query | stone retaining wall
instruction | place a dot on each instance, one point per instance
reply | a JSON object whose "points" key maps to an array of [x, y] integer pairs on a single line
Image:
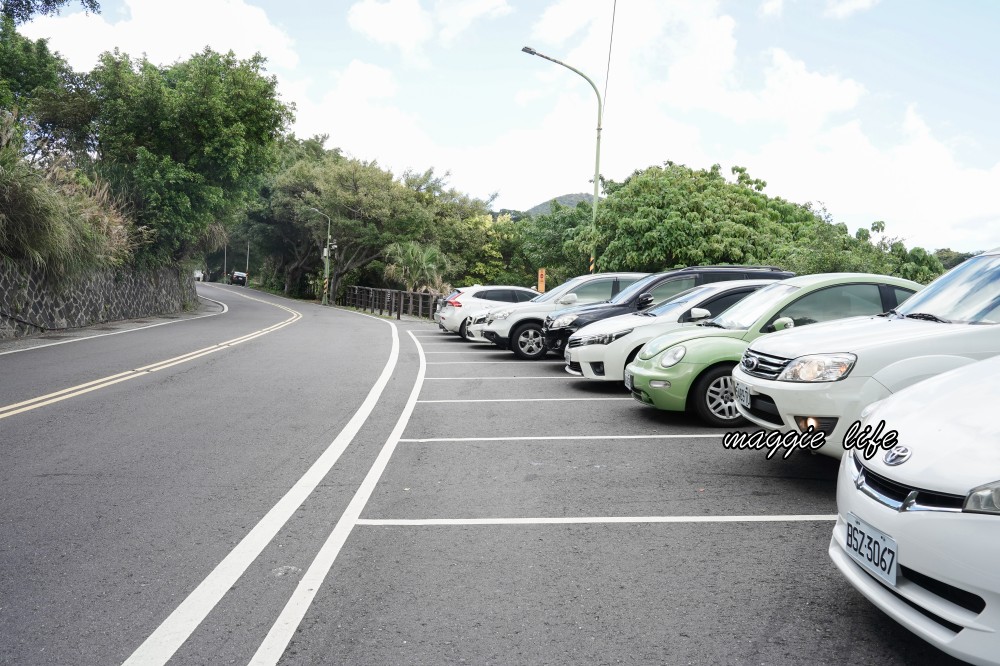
{"points": [[30, 304]]}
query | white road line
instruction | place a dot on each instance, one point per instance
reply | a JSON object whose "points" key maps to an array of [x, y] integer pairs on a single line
{"points": [[529, 400], [480, 379], [179, 625], [558, 438], [225, 309], [594, 520], [281, 632], [483, 351], [484, 362]]}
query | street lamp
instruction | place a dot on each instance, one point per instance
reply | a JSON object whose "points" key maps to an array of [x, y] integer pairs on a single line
{"points": [[326, 257], [597, 159]]}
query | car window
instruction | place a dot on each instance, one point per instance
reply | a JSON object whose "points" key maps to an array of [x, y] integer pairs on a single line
{"points": [[564, 288], [595, 290], [505, 295], [848, 300], [902, 294], [742, 315], [721, 276], [968, 293], [671, 288], [632, 289], [523, 296], [720, 304]]}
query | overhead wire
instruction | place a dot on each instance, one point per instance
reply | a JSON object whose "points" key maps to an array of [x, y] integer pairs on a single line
{"points": [[611, 39]]}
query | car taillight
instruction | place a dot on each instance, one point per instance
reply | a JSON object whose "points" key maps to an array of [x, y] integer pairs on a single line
{"points": [[454, 303]]}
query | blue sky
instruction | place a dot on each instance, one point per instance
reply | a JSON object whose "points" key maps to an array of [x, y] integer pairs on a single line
{"points": [[875, 109]]}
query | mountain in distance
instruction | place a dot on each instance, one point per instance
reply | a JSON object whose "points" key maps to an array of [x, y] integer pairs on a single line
{"points": [[567, 200]]}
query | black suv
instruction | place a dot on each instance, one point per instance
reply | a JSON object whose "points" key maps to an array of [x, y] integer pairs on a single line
{"points": [[649, 291]]}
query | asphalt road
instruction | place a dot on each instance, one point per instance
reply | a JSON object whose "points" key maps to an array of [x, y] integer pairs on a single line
{"points": [[269, 481]]}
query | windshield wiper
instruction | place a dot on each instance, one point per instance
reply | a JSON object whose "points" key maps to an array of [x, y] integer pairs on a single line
{"points": [[890, 312], [709, 322], [926, 316]]}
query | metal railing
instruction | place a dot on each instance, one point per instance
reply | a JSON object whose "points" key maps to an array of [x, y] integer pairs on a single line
{"points": [[391, 301]]}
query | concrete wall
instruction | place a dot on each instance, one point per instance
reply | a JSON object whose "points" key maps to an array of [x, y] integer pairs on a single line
{"points": [[30, 304]]}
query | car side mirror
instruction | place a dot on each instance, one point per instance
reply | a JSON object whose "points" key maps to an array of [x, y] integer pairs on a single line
{"points": [[699, 313], [568, 299], [644, 301], [781, 323]]}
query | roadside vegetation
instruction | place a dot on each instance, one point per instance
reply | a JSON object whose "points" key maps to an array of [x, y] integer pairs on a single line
{"points": [[193, 164]]}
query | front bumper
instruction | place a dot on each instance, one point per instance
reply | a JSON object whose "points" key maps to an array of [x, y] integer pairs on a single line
{"points": [[555, 338], [672, 394], [589, 361], [774, 404], [948, 586]]}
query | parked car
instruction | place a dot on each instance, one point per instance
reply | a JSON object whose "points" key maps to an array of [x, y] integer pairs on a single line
{"points": [[825, 375], [692, 368], [441, 300], [602, 350], [918, 526], [519, 327], [458, 311], [644, 293], [239, 277]]}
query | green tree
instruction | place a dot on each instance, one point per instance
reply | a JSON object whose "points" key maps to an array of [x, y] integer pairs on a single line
{"points": [[20, 11], [415, 265], [185, 145], [25, 67], [950, 258]]}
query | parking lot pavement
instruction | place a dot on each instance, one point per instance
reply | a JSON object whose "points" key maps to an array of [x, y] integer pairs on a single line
{"points": [[523, 518]]}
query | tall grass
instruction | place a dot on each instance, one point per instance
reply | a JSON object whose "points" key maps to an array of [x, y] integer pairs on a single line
{"points": [[53, 218]]}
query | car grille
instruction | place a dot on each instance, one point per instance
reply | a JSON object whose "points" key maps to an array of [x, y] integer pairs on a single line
{"points": [[764, 408], [902, 497], [575, 342], [574, 368], [764, 366]]}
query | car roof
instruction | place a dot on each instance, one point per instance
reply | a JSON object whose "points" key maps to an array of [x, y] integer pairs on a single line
{"points": [[834, 278]]}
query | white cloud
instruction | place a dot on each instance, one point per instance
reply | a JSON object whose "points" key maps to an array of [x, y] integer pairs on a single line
{"points": [[165, 32], [771, 7], [402, 24], [841, 9], [456, 16]]}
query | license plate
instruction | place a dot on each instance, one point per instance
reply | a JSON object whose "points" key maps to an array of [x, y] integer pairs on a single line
{"points": [[873, 549], [742, 394], [628, 380], [567, 355]]}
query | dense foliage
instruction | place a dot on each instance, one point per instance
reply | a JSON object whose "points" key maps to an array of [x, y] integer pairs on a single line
{"points": [[191, 162]]}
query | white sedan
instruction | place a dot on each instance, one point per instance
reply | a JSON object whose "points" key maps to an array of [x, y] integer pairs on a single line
{"points": [[918, 525], [602, 350]]}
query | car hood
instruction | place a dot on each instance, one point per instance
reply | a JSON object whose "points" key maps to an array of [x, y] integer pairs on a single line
{"points": [[954, 444], [621, 323], [857, 335], [689, 333]]}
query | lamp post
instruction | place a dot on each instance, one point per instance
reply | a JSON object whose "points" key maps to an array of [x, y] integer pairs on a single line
{"points": [[597, 159], [326, 258]]}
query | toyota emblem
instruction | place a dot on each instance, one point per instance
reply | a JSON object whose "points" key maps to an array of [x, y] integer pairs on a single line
{"points": [[897, 455], [749, 363]]}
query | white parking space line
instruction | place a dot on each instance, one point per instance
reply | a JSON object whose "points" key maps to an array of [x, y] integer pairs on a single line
{"points": [[468, 351], [185, 619], [483, 379], [559, 438], [529, 400], [484, 362], [281, 632], [594, 520]]}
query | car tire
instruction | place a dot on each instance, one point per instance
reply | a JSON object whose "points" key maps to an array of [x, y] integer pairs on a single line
{"points": [[463, 330], [527, 342], [713, 397]]}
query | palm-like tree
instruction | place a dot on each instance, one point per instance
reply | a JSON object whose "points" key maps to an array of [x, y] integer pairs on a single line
{"points": [[415, 265]]}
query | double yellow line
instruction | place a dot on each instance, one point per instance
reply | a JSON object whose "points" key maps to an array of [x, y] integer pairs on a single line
{"points": [[80, 389]]}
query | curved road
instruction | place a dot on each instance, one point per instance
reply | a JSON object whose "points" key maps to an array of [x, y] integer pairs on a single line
{"points": [[268, 481]]}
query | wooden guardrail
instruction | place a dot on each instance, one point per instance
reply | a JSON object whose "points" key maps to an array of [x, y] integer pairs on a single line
{"points": [[391, 301]]}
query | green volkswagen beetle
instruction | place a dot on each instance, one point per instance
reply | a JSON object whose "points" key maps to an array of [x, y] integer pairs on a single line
{"points": [[691, 369]]}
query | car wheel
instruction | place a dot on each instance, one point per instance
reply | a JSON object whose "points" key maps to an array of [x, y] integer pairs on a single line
{"points": [[714, 397], [529, 343], [463, 330]]}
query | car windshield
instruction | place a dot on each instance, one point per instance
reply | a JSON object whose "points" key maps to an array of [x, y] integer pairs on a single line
{"points": [[743, 314], [557, 292], [677, 302], [967, 294], [634, 289]]}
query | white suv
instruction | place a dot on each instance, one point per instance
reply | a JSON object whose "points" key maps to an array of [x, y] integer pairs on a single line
{"points": [[458, 310], [519, 327], [824, 375]]}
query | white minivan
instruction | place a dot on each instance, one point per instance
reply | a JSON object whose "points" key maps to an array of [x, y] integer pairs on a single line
{"points": [[823, 376]]}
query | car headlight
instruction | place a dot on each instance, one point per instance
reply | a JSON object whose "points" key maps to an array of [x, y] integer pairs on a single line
{"points": [[673, 356], [654, 347], [604, 338], [818, 368], [984, 499], [563, 321], [502, 314]]}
